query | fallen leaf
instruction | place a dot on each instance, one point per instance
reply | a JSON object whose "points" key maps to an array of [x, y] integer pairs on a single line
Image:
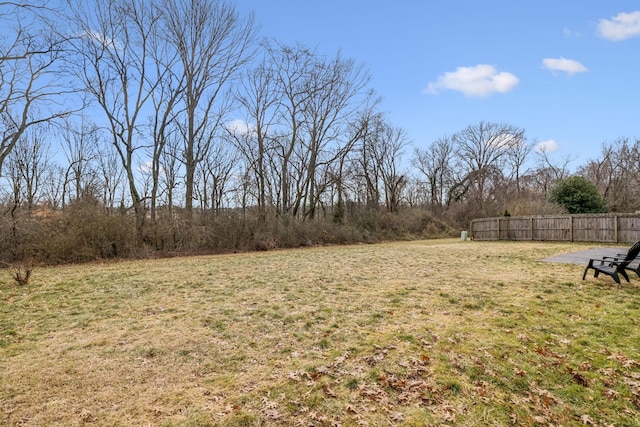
{"points": [[612, 394], [578, 378], [523, 338], [585, 366], [586, 419], [398, 417], [329, 392]]}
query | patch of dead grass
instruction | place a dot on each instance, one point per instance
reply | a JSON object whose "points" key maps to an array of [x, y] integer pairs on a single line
{"points": [[419, 333]]}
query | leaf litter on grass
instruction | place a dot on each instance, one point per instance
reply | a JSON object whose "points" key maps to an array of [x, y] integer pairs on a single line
{"points": [[412, 333]]}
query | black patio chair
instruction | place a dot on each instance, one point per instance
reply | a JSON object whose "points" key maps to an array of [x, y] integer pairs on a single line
{"points": [[634, 265], [613, 266]]}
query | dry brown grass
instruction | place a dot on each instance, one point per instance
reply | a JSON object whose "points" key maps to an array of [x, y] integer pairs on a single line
{"points": [[419, 333]]}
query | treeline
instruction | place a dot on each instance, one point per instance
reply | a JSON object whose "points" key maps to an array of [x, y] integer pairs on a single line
{"points": [[134, 128]]}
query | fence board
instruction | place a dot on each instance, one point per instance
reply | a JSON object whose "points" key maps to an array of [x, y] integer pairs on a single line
{"points": [[605, 228], [629, 228]]}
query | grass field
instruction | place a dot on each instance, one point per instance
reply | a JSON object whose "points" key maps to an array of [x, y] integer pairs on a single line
{"points": [[414, 333]]}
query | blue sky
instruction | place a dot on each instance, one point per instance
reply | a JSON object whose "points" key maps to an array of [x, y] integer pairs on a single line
{"points": [[567, 71]]}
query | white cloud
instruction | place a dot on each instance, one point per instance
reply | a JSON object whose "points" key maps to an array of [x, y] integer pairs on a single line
{"points": [[620, 27], [102, 39], [568, 32], [478, 81], [239, 127], [568, 66], [145, 167], [548, 146]]}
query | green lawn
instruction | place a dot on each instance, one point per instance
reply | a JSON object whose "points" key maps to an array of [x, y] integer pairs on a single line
{"points": [[414, 333]]}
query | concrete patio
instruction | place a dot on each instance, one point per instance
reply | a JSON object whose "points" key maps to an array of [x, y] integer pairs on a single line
{"points": [[583, 257]]}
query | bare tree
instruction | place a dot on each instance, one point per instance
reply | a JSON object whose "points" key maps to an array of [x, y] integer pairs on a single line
{"points": [[80, 146], [291, 66], [481, 151], [333, 87], [436, 165], [216, 172], [615, 173], [116, 67], [28, 164], [111, 176], [31, 87], [169, 170], [347, 159], [53, 184], [254, 153], [258, 97], [318, 101], [165, 100], [372, 125], [517, 156], [548, 171], [387, 149], [212, 45]]}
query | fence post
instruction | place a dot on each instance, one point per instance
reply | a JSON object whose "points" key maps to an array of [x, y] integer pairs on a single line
{"points": [[615, 229], [571, 228], [531, 226], [498, 228]]}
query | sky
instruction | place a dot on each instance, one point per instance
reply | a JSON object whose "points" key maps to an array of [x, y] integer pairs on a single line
{"points": [[566, 71]]}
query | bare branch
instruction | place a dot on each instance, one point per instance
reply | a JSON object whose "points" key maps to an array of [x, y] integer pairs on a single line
{"points": [[32, 90]]}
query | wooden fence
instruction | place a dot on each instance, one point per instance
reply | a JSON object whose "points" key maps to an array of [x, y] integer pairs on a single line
{"points": [[609, 228]]}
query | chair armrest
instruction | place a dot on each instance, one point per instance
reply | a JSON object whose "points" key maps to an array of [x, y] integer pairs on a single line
{"points": [[611, 261]]}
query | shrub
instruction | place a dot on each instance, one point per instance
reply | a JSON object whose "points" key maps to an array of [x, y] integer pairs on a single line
{"points": [[577, 196], [23, 273]]}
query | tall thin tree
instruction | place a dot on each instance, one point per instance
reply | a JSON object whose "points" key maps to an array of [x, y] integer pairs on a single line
{"points": [[212, 43], [115, 64]]}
